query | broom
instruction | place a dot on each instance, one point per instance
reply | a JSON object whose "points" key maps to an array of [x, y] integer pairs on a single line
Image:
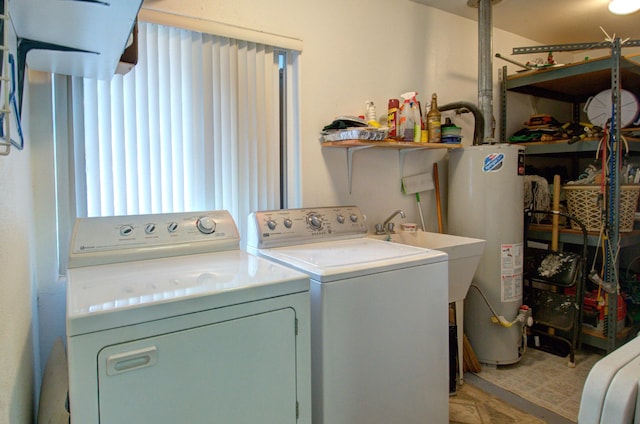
{"points": [[469, 361]]}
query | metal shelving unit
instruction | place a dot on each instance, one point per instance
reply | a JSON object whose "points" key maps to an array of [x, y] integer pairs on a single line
{"points": [[575, 83]]}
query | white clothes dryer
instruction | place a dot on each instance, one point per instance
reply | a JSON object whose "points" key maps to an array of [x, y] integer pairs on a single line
{"points": [[379, 320], [168, 321]]}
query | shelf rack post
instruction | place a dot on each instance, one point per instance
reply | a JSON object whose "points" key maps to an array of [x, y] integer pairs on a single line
{"points": [[613, 199], [503, 104]]}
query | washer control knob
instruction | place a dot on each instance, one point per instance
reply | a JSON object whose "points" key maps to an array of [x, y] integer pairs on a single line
{"points": [[272, 224], [340, 219], [353, 217], [206, 225], [150, 228], [288, 222], [126, 230], [314, 221], [172, 227]]}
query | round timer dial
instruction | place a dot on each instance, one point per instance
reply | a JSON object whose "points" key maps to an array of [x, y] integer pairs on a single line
{"points": [[206, 225], [314, 221]]}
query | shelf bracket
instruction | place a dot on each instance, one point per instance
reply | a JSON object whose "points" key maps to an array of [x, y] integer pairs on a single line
{"points": [[402, 153], [350, 152], [25, 45]]}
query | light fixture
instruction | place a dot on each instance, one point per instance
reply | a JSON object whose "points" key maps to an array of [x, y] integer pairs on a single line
{"points": [[624, 7]]}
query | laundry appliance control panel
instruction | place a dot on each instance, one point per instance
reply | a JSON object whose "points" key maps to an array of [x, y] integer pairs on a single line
{"points": [[134, 237], [296, 226]]}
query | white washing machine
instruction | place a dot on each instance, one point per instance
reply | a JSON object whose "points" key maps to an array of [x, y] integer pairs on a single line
{"points": [[379, 326], [169, 322]]}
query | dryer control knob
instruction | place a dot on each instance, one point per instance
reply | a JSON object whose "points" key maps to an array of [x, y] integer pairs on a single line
{"points": [[150, 228], [353, 217], [172, 227], [272, 224], [126, 230], [288, 222], [314, 221], [340, 219], [206, 225]]}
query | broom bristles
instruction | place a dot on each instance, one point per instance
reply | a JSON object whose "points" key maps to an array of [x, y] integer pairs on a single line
{"points": [[469, 361]]}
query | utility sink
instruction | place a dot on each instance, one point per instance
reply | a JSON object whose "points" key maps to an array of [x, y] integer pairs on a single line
{"points": [[464, 255]]}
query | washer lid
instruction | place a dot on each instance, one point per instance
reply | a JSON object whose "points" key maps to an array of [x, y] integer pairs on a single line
{"points": [[340, 259], [108, 296]]}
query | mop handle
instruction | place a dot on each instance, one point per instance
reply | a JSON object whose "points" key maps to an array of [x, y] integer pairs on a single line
{"points": [[556, 208], [438, 204]]}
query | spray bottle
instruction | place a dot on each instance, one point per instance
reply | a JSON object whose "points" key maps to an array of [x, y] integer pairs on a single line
{"points": [[407, 116]]}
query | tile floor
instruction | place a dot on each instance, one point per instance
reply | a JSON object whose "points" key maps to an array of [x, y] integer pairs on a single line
{"points": [[481, 402], [540, 384]]}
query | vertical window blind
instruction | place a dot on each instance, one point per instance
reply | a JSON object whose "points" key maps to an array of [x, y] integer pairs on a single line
{"points": [[194, 126]]}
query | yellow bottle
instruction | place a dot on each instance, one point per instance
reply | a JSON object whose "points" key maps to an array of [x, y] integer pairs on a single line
{"points": [[433, 121]]}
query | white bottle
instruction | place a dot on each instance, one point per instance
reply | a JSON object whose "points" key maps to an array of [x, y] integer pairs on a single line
{"points": [[407, 119]]}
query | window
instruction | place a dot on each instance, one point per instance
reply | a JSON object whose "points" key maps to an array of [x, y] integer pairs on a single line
{"points": [[201, 122]]}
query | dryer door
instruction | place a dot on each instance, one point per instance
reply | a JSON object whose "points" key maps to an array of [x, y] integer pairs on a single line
{"points": [[238, 371]]}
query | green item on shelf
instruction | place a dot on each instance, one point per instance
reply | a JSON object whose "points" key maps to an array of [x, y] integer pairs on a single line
{"points": [[525, 137]]}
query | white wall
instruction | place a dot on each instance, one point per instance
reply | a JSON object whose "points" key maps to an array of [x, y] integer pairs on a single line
{"points": [[16, 292], [17, 287]]}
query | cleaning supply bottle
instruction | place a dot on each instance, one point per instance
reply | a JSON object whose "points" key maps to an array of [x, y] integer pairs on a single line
{"points": [[372, 119], [393, 118], [407, 120], [433, 121], [423, 125], [417, 121]]}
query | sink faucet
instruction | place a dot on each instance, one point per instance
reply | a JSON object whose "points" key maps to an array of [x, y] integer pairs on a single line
{"points": [[387, 226]]}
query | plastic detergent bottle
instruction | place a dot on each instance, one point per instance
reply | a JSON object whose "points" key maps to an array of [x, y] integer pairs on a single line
{"points": [[372, 120], [407, 120], [417, 121], [433, 121]]}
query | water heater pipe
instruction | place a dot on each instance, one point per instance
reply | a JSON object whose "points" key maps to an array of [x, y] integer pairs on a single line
{"points": [[485, 63], [478, 129]]}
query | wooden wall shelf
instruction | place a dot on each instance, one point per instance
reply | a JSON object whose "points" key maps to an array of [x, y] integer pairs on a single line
{"points": [[389, 144]]}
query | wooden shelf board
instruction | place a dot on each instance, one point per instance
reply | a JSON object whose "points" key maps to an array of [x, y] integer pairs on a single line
{"points": [[624, 131], [622, 334], [390, 144], [569, 235], [547, 227], [575, 82], [563, 146]]}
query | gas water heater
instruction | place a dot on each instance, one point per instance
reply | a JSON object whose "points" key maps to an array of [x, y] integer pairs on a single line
{"points": [[486, 201]]}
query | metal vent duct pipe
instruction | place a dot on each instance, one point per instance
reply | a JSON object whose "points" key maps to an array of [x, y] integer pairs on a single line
{"points": [[479, 177], [485, 63]]}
